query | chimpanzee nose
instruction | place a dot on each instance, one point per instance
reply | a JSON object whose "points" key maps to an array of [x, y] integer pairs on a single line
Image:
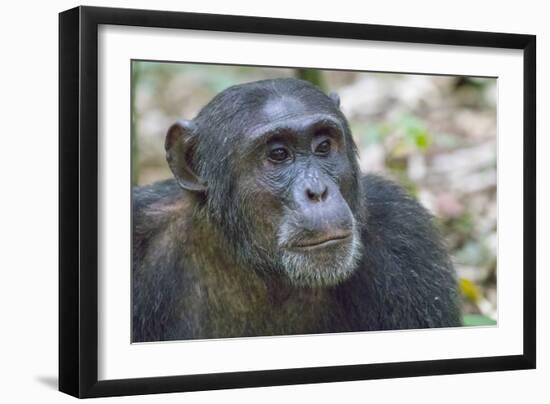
{"points": [[317, 192]]}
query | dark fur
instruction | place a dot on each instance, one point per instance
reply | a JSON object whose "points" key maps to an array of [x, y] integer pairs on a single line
{"points": [[192, 252]]}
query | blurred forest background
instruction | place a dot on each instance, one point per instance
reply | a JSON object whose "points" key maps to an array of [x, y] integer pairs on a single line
{"points": [[435, 135]]}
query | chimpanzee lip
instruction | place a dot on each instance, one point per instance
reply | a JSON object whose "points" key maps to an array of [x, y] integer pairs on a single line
{"points": [[322, 241]]}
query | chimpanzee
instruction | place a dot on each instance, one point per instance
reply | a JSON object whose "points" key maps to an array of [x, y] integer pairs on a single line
{"points": [[269, 228]]}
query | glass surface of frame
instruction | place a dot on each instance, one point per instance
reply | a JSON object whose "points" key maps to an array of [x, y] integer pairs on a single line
{"points": [[435, 136], [97, 340]]}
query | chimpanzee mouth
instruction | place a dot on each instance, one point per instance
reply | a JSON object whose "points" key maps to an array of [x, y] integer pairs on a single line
{"points": [[322, 241]]}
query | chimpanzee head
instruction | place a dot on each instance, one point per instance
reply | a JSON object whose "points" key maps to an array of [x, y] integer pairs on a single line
{"points": [[275, 169]]}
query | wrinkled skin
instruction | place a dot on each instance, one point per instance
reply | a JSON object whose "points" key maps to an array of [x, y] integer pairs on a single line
{"points": [[269, 228]]}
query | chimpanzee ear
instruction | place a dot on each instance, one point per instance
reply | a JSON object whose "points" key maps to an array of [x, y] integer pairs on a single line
{"points": [[335, 98], [180, 146]]}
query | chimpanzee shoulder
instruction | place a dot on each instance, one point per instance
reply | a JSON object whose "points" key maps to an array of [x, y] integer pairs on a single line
{"points": [[406, 277], [157, 258], [159, 191], [149, 204]]}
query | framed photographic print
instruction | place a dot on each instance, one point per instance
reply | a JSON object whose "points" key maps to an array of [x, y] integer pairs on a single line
{"points": [[252, 201]]}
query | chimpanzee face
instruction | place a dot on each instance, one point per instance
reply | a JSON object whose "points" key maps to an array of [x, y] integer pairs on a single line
{"points": [[298, 185], [292, 188]]}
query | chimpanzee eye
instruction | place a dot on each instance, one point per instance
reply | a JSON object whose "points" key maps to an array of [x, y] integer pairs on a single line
{"points": [[323, 148], [279, 154]]}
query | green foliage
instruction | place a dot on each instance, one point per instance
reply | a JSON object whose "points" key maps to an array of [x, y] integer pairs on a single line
{"points": [[406, 135], [415, 132], [312, 75], [473, 320], [410, 131]]}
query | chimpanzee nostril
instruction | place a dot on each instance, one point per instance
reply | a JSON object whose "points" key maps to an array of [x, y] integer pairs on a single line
{"points": [[317, 194]]}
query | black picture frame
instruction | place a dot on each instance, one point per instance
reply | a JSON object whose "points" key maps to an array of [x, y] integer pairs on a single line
{"points": [[78, 200]]}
